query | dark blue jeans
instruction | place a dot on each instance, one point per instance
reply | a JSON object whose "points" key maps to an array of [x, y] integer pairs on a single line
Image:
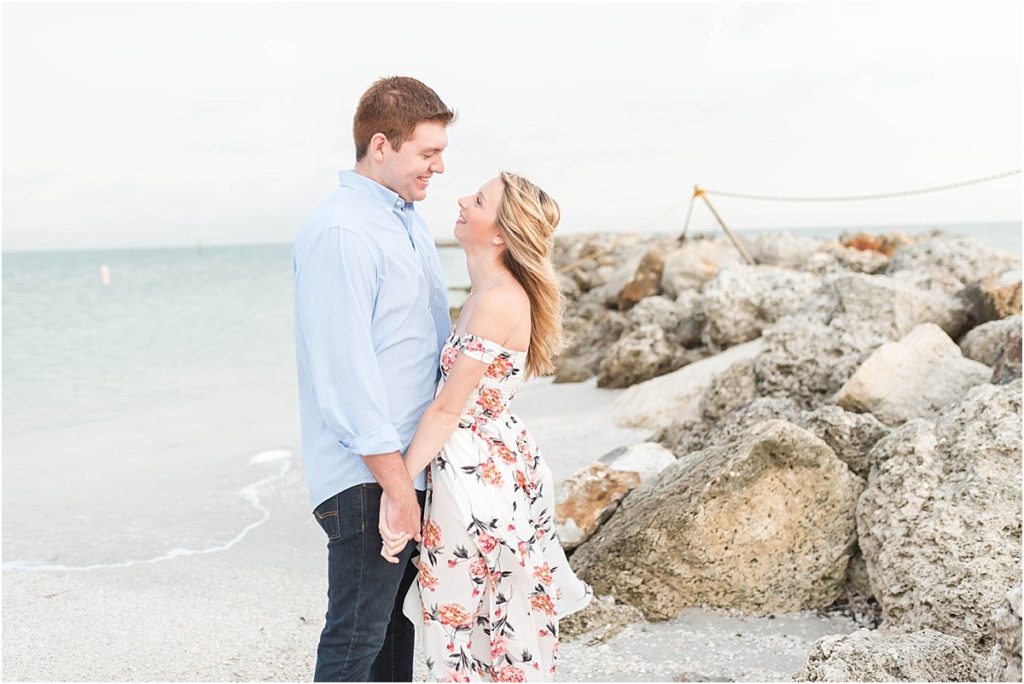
{"points": [[366, 637]]}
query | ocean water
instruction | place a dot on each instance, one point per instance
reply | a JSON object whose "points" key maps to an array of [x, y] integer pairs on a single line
{"points": [[141, 418]]}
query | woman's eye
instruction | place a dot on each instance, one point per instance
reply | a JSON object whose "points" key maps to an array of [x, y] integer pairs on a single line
{"points": [[478, 201]]}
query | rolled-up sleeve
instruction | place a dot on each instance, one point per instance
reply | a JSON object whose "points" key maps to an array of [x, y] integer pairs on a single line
{"points": [[336, 280]]}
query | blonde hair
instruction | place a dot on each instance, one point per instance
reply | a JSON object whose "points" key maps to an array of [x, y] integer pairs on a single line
{"points": [[527, 217]]}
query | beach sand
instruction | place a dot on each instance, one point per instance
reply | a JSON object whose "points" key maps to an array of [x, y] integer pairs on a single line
{"points": [[254, 611]]}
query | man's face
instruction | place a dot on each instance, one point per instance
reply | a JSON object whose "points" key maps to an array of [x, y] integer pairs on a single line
{"points": [[408, 170]]}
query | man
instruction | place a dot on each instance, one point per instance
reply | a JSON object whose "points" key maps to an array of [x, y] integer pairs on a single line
{"points": [[371, 316]]}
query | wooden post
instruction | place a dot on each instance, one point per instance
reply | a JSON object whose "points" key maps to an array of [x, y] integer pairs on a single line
{"points": [[697, 192]]}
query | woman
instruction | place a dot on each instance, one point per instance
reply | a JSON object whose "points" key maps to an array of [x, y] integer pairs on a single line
{"points": [[493, 580]]}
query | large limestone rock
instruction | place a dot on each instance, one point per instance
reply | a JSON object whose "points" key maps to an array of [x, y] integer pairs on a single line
{"points": [[1007, 367], [588, 498], [676, 396], [985, 343], [912, 378], [646, 279], [589, 331], [783, 249], [741, 300], [881, 656], [694, 263], [644, 353], [940, 521], [1004, 660], [688, 436], [995, 296], [947, 264], [764, 526], [810, 354], [835, 258], [850, 435]]}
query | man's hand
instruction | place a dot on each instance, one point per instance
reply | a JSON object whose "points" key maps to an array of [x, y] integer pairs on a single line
{"points": [[394, 521]]}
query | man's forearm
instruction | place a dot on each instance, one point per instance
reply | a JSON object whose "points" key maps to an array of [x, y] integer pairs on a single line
{"points": [[390, 471]]}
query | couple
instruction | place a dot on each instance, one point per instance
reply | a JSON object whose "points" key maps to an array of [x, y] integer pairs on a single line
{"points": [[409, 445]]}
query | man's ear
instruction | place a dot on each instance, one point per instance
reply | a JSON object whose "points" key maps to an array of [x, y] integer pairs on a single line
{"points": [[377, 143]]}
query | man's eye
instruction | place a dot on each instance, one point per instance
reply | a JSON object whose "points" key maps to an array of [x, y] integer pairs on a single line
{"points": [[478, 201]]}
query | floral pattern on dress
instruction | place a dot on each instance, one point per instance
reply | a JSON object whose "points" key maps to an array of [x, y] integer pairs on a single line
{"points": [[493, 579]]}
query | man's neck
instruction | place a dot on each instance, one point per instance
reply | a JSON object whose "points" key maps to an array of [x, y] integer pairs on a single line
{"points": [[364, 169]]}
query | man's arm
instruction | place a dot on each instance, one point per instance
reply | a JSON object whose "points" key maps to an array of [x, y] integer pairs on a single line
{"points": [[336, 286]]}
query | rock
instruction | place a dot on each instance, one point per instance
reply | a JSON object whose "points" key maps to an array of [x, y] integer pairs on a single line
{"points": [[644, 353], [940, 521], [765, 526], [857, 575], [943, 263], [734, 387], [985, 342], [741, 300], [995, 296], [587, 498], [885, 245], [1004, 663], [676, 396], [646, 459], [884, 656], [694, 263], [835, 258], [850, 435], [691, 318], [783, 249], [694, 435], [589, 331], [601, 620], [1007, 366], [646, 280], [912, 378]]}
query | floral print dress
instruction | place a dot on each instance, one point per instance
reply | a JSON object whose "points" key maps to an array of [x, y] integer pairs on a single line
{"points": [[493, 580]]}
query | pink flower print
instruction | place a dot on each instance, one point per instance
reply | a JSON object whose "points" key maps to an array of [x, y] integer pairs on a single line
{"points": [[521, 479], [494, 578], [448, 357], [478, 568], [503, 452], [455, 675], [453, 615], [489, 471], [500, 368], [543, 603], [427, 579], [510, 673], [490, 401], [486, 542], [474, 345], [499, 647], [523, 551], [431, 534], [542, 573], [452, 562]]}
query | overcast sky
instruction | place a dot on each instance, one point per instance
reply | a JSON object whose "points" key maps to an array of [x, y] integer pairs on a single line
{"points": [[160, 124]]}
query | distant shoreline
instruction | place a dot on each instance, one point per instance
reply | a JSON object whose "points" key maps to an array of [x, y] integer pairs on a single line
{"points": [[805, 230]]}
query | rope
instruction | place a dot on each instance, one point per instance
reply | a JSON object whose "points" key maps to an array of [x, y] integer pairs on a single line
{"points": [[853, 198]]}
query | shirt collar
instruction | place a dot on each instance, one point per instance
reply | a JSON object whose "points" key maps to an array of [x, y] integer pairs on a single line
{"points": [[387, 198]]}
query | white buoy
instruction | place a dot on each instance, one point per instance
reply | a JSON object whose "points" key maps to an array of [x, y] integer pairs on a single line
{"points": [[104, 275]]}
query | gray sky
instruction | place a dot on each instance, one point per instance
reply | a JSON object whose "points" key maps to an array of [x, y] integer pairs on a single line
{"points": [[157, 124]]}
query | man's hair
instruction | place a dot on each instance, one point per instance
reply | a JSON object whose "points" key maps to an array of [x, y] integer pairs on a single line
{"points": [[393, 106]]}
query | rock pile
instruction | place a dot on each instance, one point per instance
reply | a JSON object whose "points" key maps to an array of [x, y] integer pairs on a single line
{"points": [[840, 418]]}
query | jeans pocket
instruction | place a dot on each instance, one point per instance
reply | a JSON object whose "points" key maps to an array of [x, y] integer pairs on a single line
{"points": [[327, 515]]}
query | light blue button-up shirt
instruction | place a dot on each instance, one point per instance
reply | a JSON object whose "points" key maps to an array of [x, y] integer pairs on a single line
{"points": [[371, 316]]}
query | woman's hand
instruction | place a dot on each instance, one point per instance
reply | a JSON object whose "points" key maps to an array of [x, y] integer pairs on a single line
{"points": [[392, 543]]}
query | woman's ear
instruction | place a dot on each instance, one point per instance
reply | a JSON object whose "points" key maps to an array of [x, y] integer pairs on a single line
{"points": [[496, 240]]}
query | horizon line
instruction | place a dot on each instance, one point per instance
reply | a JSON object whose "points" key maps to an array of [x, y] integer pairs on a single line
{"points": [[199, 244]]}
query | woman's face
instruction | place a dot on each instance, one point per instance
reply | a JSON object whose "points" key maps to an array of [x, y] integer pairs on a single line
{"points": [[477, 223]]}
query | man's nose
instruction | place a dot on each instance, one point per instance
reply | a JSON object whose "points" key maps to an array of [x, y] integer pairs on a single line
{"points": [[438, 166]]}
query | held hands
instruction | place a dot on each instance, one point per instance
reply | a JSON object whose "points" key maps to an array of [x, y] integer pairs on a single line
{"points": [[399, 522]]}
